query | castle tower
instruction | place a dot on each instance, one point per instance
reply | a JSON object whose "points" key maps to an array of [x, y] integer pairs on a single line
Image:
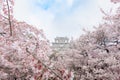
{"points": [[60, 43]]}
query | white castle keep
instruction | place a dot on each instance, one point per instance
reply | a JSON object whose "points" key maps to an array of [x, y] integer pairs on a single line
{"points": [[60, 43]]}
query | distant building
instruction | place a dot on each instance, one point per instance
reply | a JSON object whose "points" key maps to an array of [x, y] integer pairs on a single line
{"points": [[60, 43]]}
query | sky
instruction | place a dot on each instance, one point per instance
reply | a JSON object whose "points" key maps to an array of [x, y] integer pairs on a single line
{"points": [[61, 18]]}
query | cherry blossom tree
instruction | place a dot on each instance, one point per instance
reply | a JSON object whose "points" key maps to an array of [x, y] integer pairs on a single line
{"points": [[24, 50], [115, 1], [7, 12], [95, 55]]}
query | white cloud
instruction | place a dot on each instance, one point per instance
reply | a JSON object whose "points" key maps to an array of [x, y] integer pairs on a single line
{"points": [[70, 2], [41, 19], [57, 21]]}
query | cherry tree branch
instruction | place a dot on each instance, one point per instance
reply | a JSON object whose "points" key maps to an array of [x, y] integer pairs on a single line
{"points": [[4, 17], [45, 65], [9, 19]]}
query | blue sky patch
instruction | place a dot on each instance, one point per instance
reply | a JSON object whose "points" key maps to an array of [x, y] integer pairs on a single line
{"points": [[44, 4], [60, 5]]}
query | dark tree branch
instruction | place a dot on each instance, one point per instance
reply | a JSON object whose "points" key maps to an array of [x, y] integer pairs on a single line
{"points": [[2, 33], [4, 16], [44, 65], [9, 19]]}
